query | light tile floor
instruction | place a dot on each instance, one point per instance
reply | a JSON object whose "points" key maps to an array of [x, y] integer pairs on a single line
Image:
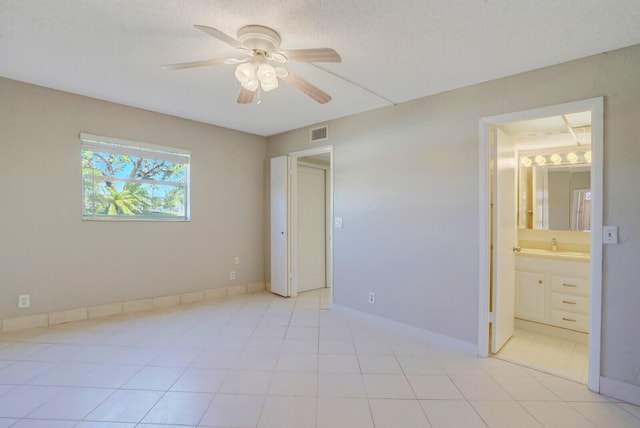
{"points": [[552, 355], [264, 361]]}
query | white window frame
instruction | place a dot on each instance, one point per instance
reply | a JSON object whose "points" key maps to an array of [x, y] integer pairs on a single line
{"points": [[145, 150]]}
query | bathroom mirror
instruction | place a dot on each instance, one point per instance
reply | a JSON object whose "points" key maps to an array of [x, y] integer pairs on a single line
{"points": [[554, 190]]}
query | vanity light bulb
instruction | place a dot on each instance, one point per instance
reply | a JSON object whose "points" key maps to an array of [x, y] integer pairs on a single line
{"points": [[572, 157], [525, 161], [556, 158], [540, 160], [587, 156]]}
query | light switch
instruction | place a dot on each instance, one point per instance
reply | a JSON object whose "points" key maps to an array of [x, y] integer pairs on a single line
{"points": [[610, 235], [337, 222]]}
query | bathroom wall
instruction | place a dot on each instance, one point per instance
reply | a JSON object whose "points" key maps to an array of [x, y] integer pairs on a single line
{"points": [[406, 186]]}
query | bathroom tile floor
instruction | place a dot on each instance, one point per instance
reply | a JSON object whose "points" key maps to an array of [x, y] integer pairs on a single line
{"points": [[264, 361], [561, 357]]}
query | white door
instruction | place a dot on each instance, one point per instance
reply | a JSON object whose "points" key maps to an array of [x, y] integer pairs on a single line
{"points": [[279, 282], [311, 195], [504, 240]]}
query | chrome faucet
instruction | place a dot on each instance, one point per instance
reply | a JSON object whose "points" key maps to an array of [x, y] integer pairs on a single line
{"points": [[554, 244]]}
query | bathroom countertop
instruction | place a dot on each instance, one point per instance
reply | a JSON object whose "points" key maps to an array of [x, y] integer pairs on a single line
{"points": [[565, 255]]}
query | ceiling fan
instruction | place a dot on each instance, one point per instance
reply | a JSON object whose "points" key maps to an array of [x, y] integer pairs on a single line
{"points": [[261, 45]]}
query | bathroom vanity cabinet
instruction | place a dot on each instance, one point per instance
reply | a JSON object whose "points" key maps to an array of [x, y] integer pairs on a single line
{"points": [[530, 296], [553, 290]]}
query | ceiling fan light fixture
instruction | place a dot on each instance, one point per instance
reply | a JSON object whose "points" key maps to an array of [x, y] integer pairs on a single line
{"points": [[269, 86], [245, 73], [266, 72], [251, 85], [267, 76]]}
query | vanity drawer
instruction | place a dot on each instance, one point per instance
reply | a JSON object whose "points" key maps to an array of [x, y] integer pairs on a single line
{"points": [[570, 303], [570, 285], [570, 320]]}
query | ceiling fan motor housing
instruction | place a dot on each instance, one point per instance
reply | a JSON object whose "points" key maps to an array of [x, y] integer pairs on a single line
{"points": [[260, 38]]}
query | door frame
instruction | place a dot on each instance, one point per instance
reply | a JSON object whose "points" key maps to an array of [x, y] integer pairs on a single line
{"points": [[596, 106], [293, 218]]}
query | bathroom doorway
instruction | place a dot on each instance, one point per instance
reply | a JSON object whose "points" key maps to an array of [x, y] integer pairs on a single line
{"points": [[540, 291]]}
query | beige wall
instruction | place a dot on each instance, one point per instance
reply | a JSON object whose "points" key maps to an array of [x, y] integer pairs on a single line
{"points": [[406, 185], [46, 250]]}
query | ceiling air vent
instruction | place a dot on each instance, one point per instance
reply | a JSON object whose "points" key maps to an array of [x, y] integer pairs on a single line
{"points": [[320, 134]]}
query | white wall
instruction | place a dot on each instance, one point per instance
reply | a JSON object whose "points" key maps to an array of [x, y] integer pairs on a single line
{"points": [[406, 185], [46, 250]]}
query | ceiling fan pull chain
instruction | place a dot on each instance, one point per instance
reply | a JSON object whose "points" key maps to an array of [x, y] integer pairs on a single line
{"points": [[259, 96]]}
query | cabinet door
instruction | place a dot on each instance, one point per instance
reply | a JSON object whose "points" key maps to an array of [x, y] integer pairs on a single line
{"points": [[530, 293]]}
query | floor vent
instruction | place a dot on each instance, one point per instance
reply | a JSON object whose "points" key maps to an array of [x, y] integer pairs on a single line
{"points": [[320, 134]]}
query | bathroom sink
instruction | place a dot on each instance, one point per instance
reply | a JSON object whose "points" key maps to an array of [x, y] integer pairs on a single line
{"points": [[575, 255]]}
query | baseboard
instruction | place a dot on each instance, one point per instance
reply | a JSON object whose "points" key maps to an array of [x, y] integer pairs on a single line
{"points": [[130, 306], [70, 315], [236, 290], [255, 287], [553, 331], [26, 322], [410, 330], [620, 390]]}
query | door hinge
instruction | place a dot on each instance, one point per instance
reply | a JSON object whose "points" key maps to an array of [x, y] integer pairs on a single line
{"points": [[492, 317]]}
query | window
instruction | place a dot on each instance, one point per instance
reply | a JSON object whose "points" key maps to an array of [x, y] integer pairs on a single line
{"points": [[133, 181]]}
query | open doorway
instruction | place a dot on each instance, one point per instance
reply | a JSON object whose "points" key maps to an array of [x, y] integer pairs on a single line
{"points": [[301, 232], [541, 272], [312, 216]]}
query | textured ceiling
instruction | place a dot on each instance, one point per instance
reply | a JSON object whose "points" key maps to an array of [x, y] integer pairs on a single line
{"points": [[392, 51]]}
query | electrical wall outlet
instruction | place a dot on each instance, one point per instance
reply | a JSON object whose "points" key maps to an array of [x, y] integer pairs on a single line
{"points": [[372, 298], [24, 301], [232, 274], [236, 260]]}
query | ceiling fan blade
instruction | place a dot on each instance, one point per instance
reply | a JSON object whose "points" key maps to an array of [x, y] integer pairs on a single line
{"points": [[306, 87], [233, 61], [245, 96], [312, 55], [214, 32], [192, 64]]}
